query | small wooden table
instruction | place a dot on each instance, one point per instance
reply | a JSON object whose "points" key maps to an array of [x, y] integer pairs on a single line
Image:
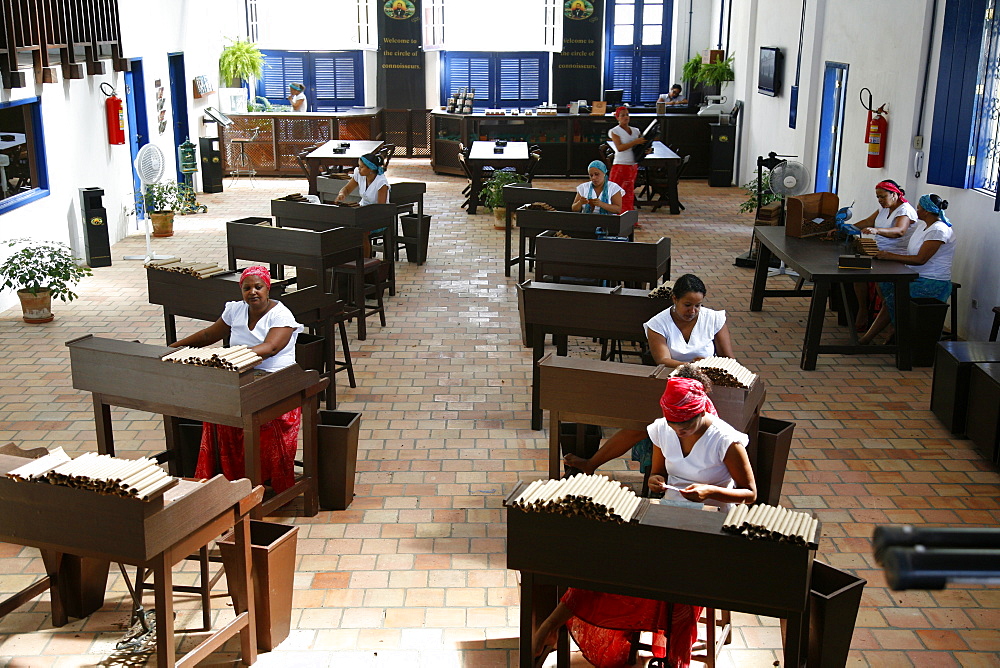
{"points": [[483, 154], [816, 261], [661, 175], [324, 156]]}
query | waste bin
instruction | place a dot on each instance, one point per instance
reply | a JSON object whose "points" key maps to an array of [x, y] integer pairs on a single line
{"points": [[309, 351], [926, 323], [272, 553], [416, 233], [834, 598], [770, 457], [338, 458]]}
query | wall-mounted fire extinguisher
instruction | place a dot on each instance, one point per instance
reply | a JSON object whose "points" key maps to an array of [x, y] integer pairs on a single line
{"points": [[115, 113], [876, 132]]}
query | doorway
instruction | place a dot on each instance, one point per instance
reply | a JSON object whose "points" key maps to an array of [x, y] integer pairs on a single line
{"points": [[178, 104], [138, 124], [638, 34], [831, 122]]}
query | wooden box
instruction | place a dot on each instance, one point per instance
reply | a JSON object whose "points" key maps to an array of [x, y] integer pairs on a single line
{"points": [[802, 210]]}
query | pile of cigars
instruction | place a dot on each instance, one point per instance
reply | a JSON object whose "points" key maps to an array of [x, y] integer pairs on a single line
{"points": [[866, 245], [141, 479], [726, 372], [236, 358], [661, 292], [595, 497], [772, 523], [539, 206], [196, 269]]}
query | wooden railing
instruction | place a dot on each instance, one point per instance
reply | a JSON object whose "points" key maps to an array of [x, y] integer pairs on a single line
{"points": [[84, 32]]}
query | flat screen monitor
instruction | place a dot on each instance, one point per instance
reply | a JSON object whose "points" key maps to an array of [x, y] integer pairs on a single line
{"points": [[769, 71], [218, 116], [614, 97]]}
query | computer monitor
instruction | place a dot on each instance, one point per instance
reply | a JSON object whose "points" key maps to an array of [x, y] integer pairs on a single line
{"points": [[614, 97]]}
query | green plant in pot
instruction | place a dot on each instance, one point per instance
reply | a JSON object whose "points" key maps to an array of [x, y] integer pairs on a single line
{"points": [[492, 194], [766, 196], [39, 271], [691, 69], [716, 74], [162, 200], [240, 61]]}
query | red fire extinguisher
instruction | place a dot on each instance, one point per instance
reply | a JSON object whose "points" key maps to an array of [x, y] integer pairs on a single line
{"points": [[115, 113], [876, 134]]}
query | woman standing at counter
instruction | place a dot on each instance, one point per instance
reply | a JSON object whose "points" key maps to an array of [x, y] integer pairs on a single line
{"points": [[625, 168], [600, 194]]}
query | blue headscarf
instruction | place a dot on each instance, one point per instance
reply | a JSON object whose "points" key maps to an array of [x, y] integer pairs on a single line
{"points": [[373, 162], [927, 204], [598, 164]]}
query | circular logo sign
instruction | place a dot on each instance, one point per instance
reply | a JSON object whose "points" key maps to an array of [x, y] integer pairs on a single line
{"points": [[399, 9], [578, 9]]}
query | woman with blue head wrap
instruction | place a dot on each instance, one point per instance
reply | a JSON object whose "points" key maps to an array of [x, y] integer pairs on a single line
{"points": [[369, 179], [930, 251], [600, 194]]}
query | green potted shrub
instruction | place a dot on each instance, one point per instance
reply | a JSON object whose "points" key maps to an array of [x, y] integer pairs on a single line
{"points": [[39, 271], [240, 61], [717, 73], [766, 196], [162, 200], [690, 71], [492, 194]]}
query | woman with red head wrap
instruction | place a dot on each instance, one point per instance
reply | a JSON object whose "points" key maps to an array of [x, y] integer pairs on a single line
{"points": [[700, 458], [625, 168], [269, 329]]}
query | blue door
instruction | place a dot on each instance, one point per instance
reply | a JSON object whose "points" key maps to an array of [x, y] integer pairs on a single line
{"points": [[638, 34], [831, 122], [178, 104], [138, 124]]}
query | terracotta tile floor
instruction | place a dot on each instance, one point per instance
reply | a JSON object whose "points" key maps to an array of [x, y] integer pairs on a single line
{"points": [[413, 574]]}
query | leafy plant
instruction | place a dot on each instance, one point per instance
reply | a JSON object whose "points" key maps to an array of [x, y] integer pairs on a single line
{"points": [[766, 196], [240, 60], [492, 194], [42, 265], [717, 73], [691, 69], [259, 104], [162, 196]]}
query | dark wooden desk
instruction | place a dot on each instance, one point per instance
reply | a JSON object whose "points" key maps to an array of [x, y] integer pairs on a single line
{"points": [[564, 310], [816, 261], [204, 299], [481, 154], [132, 375], [661, 175], [68, 523], [517, 194], [324, 156], [598, 259], [531, 223], [706, 567]]}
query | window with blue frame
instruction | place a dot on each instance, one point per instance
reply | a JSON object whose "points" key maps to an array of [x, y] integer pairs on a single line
{"points": [[499, 79], [638, 54], [23, 174], [334, 80]]}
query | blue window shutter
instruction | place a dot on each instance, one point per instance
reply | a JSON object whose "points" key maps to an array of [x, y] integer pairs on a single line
{"points": [[469, 70], [650, 72], [280, 69], [621, 74], [955, 98], [522, 79]]}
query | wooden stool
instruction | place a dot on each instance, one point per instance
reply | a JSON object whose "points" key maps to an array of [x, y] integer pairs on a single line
{"points": [[984, 407], [953, 361], [375, 276]]}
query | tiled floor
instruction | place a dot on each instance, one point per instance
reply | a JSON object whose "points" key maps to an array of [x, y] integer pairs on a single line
{"points": [[413, 574]]}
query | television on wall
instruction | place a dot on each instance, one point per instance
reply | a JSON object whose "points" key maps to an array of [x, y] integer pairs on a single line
{"points": [[772, 64]]}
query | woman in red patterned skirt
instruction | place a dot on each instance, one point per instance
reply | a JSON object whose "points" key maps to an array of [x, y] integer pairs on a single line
{"points": [[705, 460], [269, 329]]}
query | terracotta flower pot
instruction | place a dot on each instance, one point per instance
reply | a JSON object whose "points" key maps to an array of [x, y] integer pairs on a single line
{"points": [[36, 309], [163, 223], [500, 218]]}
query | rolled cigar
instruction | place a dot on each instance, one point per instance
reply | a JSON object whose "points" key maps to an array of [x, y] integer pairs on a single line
{"points": [[138, 477], [248, 366], [771, 519], [241, 357], [177, 354], [616, 499], [527, 491], [151, 490], [130, 468], [775, 521], [764, 516], [729, 517], [209, 274], [793, 531], [150, 480], [589, 487], [741, 513], [751, 517], [786, 523], [811, 532], [202, 265], [603, 494], [547, 491], [630, 509], [532, 492]]}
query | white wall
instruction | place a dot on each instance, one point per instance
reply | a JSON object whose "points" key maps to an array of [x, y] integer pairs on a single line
{"points": [[77, 150]]}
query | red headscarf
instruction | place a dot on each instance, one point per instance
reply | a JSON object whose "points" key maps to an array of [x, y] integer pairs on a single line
{"points": [[257, 270], [891, 187], [619, 109], [685, 399]]}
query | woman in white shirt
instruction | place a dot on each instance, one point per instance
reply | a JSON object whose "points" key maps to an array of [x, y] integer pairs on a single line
{"points": [[270, 330], [687, 331], [625, 168], [891, 224], [600, 194], [297, 97], [930, 251], [369, 179]]}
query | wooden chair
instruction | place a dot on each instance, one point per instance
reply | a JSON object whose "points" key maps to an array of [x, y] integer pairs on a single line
{"points": [[386, 151], [658, 183], [375, 275]]}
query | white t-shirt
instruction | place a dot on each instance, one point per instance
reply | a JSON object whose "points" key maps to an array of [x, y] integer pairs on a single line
{"points": [[702, 341], [704, 464], [236, 315], [293, 100], [887, 218], [369, 192], [589, 191], [625, 157], [939, 266]]}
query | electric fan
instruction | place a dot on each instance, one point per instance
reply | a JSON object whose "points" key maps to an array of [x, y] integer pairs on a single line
{"points": [[149, 166], [789, 179]]}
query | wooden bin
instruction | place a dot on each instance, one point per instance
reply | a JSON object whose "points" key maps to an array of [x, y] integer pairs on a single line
{"points": [[802, 210]]}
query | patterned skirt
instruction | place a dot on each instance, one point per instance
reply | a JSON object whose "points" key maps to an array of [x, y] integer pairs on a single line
{"points": [[278, 442]]}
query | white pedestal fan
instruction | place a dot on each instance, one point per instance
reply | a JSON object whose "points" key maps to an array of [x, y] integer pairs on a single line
{"points": [[149, 165]]}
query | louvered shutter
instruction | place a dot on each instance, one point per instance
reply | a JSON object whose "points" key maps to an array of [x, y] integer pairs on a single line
{"points": [[280, 69], [621, 75], [650, 74], [470, 71], [522, 80], [337, 81]]}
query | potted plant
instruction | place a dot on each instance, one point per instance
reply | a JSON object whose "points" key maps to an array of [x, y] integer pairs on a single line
{"points": [[162, 200], [492, 194], [240, 61], [691, 69], [766, 196], [40, 271], [716, 73]]}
